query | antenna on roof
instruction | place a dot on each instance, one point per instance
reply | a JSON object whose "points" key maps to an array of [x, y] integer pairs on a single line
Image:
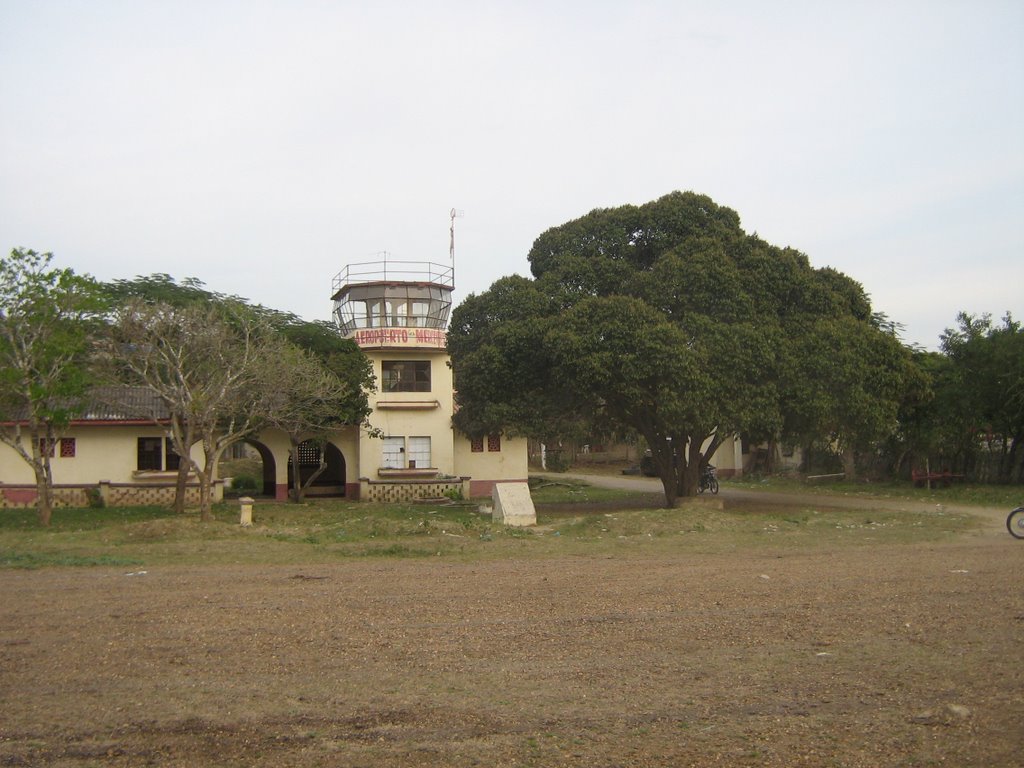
{"points": [[455, 213]]}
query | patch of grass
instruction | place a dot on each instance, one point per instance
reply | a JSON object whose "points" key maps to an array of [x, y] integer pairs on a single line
{"points": [[561, 490], [1008, 496], [754, 526], [9, 559], [87, 518], [329, 530]]}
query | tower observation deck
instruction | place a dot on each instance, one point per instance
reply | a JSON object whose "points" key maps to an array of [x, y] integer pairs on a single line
{"points": [[394, 303]]}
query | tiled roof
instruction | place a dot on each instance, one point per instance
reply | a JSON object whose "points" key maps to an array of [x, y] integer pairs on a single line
{"points": [[112, 404], [122, 404]]}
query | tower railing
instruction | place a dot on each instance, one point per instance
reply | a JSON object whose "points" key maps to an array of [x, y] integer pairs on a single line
{"points": [[386, 270]]}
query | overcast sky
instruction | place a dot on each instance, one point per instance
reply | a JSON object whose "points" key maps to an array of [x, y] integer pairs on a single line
{"points": [[261, 146]]}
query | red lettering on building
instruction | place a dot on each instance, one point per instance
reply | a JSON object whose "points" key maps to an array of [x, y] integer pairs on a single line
{"points": [[382, 337]]}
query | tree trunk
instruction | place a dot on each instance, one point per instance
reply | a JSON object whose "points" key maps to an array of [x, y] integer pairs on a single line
{"points": [[850, 463], [181, 486], [770, 461], [298, 489], [1013, 463], [44, 496], [182, 439], [40, 460], [205, 495], [690, 475], [670, 484], [295, 492], [664, 462]]}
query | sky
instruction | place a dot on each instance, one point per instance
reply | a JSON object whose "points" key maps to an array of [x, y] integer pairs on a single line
{"points": [[261, 145]]}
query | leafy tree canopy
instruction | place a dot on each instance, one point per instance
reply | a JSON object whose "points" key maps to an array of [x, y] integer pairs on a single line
{"points": [[46, 317], [669, 319], [984, 386]]}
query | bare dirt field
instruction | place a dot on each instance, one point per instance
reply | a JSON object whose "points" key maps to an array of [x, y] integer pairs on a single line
{"points": [[895, 655]]}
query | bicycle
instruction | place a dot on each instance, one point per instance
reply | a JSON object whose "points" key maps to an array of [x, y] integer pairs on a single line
{"points": [[708, 481], [1015, 523]]}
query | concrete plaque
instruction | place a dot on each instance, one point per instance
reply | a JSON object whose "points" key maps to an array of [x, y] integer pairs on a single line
{"points": [[513, 505]]}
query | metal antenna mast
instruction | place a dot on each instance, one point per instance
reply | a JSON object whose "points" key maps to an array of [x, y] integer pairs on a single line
{"points": [[455, 213]]}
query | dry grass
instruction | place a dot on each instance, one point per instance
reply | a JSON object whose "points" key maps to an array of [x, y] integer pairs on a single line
{"points": [[572, 520]]}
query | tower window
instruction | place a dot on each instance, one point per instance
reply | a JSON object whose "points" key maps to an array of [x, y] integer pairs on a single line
{"points": [[405, 376]]}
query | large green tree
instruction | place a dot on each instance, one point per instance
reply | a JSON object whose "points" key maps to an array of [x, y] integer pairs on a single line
{"points": [[668, 319], [47, 315], [983, 394]]}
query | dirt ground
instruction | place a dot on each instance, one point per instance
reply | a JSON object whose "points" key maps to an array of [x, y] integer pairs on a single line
{"points": [[903, 655]]}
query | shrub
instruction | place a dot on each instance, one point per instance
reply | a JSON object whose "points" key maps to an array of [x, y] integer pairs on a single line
{"points": [[244, 482], [557, 461], [94, 498]]}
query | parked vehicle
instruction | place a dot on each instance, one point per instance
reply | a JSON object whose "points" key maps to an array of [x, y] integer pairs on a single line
{"points": [[708, 480], [1015, 523], [647, 468]]}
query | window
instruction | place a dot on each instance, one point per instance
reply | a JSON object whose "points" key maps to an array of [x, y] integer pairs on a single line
{"points": [[420, 310], [476, 444], [406, 453], [419, 452], [67, 447], [394, 453], [150, 453], [46, 446], [405, 375]]}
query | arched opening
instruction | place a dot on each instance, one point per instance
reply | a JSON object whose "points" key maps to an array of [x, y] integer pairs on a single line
{"points": [[252, 468], [330, 482]]}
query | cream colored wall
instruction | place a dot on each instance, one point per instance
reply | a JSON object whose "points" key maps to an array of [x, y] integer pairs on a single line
{"points": [[109, 452], [435, 423], [13, 469], [510, 463], [101, 453], [728, 458], [347, 442]]}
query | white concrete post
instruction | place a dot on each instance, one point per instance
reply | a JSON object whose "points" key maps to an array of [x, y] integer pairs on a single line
{"points": [[246, 504]]}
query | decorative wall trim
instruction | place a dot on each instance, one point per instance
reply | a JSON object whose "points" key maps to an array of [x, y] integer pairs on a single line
{"points": [[410, 490], [111, 494]]}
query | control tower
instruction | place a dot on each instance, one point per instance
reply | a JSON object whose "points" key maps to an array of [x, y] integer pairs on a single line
{"points": [[397, 313], [394, 303]]}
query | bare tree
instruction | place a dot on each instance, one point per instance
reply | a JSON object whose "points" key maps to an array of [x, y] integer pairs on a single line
{"points": [[210, 365]]}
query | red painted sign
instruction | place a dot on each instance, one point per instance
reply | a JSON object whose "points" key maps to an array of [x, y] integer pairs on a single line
{"points": [[401, 337]]}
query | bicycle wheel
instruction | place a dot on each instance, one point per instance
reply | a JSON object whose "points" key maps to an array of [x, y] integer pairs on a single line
{"points": [[1015, 523], [714, 484], [701, 486]]}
